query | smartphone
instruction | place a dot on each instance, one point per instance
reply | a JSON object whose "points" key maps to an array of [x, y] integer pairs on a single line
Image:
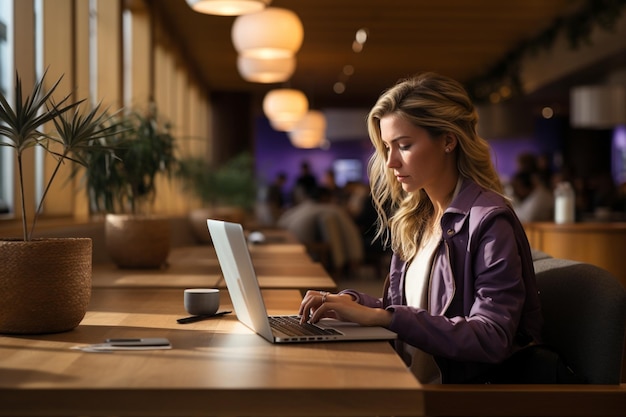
{"points": [[148, 341]]}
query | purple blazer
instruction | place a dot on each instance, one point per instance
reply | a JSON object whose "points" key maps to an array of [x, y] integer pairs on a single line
{"points": [[483, 303]]}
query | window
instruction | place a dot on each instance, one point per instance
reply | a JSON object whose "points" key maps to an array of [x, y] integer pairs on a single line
{"points": [[347, 170], [619, 155], [6, 83]]}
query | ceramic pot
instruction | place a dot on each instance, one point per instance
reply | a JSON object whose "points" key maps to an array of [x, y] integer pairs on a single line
{"points": [[137, 241], [45, 284]]}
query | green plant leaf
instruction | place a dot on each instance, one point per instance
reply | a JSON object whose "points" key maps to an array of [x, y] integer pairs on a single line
{"points": [[21, 128], [123, 179]]}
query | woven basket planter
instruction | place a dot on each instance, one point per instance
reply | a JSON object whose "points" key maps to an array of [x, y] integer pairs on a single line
{"points": [[45, 284], [137, 241]]}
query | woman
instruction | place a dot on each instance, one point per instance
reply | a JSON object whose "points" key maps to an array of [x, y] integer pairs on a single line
{"points": [[461, 292]]}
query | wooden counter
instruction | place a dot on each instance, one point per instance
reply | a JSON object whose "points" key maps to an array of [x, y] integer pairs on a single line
{"points": [[597, 243]]}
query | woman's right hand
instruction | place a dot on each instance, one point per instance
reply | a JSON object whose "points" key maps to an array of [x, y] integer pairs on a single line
{"points": [[320, 304]]}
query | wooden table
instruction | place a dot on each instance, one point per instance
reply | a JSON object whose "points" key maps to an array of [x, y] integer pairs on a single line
{"points": [[275, 236], [219, 367], [216, 367], [197, 266]]}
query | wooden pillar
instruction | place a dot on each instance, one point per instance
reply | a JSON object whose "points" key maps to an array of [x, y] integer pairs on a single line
{"points": [[232, 130]]}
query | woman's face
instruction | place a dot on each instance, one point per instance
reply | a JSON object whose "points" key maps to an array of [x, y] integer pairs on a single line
{"points": [[417, 159]]}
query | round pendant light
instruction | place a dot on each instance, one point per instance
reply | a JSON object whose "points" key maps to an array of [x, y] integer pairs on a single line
{"points": [[266, 71], [271, 33], [310, 131], [284, 107], [228, 7]]}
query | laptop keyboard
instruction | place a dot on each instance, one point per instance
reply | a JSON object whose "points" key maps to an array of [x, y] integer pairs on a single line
{"points": [[291, 325]]}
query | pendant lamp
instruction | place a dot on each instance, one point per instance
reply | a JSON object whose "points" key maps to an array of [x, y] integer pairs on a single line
{"points": [[284, 107], [266, 71], [228, 7], [310, 131], [271, 33]]}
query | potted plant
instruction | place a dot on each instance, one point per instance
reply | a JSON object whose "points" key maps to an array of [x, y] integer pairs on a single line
{"points": [[45, 284], [227, 191], [122, 182]]}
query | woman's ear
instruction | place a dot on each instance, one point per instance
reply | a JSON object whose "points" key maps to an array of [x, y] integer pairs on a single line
{"points": [[450, 141]]}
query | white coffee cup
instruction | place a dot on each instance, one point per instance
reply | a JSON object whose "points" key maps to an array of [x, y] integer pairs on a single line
{"points": [[202, 301]]}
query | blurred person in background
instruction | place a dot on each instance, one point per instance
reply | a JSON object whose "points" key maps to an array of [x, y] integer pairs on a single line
{"points": [[532, 200]]}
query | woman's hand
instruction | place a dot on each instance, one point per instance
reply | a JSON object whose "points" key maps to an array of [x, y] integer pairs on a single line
{"points": [[319, 304]]}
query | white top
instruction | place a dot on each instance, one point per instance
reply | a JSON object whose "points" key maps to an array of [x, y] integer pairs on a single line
{"points": [[537, 207], [416, 282], [418, 273], [416, 290]]}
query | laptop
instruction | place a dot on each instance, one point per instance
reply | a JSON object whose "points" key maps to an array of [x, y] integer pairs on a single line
{"points": [[234, 258]]}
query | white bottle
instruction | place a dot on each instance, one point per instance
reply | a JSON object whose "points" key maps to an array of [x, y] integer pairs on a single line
{"points": [[564, 203]]}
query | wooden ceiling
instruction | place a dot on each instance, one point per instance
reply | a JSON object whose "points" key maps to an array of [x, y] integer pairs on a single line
{"points": [[460, 38]]}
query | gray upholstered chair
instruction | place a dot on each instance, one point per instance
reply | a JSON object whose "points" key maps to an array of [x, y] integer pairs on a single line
{"points": [[584, 310]]}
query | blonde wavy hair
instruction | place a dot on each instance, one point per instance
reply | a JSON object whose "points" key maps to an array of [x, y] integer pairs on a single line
{"points": [[440, 105]]}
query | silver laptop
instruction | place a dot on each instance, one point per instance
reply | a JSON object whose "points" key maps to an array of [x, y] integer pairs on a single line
{"points": [[243, 287]]}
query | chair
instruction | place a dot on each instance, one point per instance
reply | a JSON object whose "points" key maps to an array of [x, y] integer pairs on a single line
{"points": [[584, 310], [345, 243]]}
